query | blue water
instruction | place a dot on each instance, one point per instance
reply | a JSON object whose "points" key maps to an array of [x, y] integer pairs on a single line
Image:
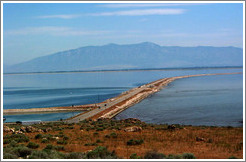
{"points": [[66, 89], [207, 100], [43, 117]]}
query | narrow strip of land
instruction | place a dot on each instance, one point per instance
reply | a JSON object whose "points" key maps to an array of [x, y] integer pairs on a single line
{"points": [[113, 106]]}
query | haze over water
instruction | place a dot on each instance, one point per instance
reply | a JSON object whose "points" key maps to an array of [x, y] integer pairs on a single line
{"points": [[210, 100]]}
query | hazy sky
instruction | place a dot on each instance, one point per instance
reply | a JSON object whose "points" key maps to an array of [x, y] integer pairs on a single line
{"points": [[33, 30]]}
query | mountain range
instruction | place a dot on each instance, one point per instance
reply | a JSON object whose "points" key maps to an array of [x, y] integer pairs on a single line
{"points": [[131, 56]]}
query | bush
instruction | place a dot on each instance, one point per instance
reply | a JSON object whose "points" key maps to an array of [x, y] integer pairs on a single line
{"points": [[6, 141], [99, 141], [99, 129], [134, 142], [39, 155], [113, 135], [32, 145], [63, 142], [95, 133], [154, 155], [65, 138], [135, 156], [172, 156], [101, 153], [75, 155], [22, 151], [232, 157], [49, 147], [47, 154], [59, 148], [19, 138], [107, 136], [13, 144], [38, 136], [91, 144], [188, 156], [9, 156], [44, 140]]}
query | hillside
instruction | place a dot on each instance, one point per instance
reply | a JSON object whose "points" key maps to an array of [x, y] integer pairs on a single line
{"points": [[143, 55]]}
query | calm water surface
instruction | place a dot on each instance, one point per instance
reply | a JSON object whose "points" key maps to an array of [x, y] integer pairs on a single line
{"points": [[48, 90], [208, 100]]}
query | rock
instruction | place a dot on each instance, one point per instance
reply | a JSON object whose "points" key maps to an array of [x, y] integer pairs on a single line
{"points": [[18, 132], [12, 130], [6, 129], [30, 129], [133, 129], [47, 129], [199, 139], [40, 130], [23, 129]]}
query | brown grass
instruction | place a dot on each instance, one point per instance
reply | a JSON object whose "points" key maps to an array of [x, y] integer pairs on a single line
{"points": [[219, 142]]}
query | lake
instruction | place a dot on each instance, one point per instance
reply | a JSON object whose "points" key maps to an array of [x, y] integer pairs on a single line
{"points": [[211, 94]]}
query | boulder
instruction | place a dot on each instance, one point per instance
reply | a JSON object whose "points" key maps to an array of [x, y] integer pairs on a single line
{"points": [[133, 129], [18, 132], [23, 129], [47, 129], [30, 129], [6, 129]]}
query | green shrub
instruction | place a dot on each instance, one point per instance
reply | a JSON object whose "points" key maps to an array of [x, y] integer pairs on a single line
{"points": [[62, 142], [101, 153], [113, 135], [172, 156], [19, 138], [13, 144], [107, 136], [134, 142], [22, 151], [232, 157], [44, 140], [188, 156], [59, 148], [32, 145], [39, 155], [71, 127], [47, 154], [99, 129], [65, 138], [95, 133], [9, 156], [91, 144], [154, 155], [6, 141], [38, 136], [49, 147], [99, 141], [135, 156], [75, 155]]}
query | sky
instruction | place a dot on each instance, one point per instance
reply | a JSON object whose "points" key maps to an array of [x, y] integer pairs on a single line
{"points": [[32, 30]]}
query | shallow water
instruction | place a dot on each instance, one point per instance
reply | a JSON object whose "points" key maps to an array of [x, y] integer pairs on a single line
{"points": [[66, 89], [207, 100]]}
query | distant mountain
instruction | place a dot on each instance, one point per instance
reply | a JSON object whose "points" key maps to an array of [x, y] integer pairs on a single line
{"points": [[143, 55]]}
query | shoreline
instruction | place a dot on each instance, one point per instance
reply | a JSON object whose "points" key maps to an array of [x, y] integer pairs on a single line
{"points": [[113, 106], [124, 70]]}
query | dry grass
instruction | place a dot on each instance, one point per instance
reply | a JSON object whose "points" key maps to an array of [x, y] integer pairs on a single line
{"points": [[217, 143]]}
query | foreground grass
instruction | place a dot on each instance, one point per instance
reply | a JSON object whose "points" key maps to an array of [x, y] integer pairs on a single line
{"points": [[107, 139]]}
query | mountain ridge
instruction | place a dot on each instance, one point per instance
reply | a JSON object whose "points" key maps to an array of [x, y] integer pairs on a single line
{"points": [[141, 55]]}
